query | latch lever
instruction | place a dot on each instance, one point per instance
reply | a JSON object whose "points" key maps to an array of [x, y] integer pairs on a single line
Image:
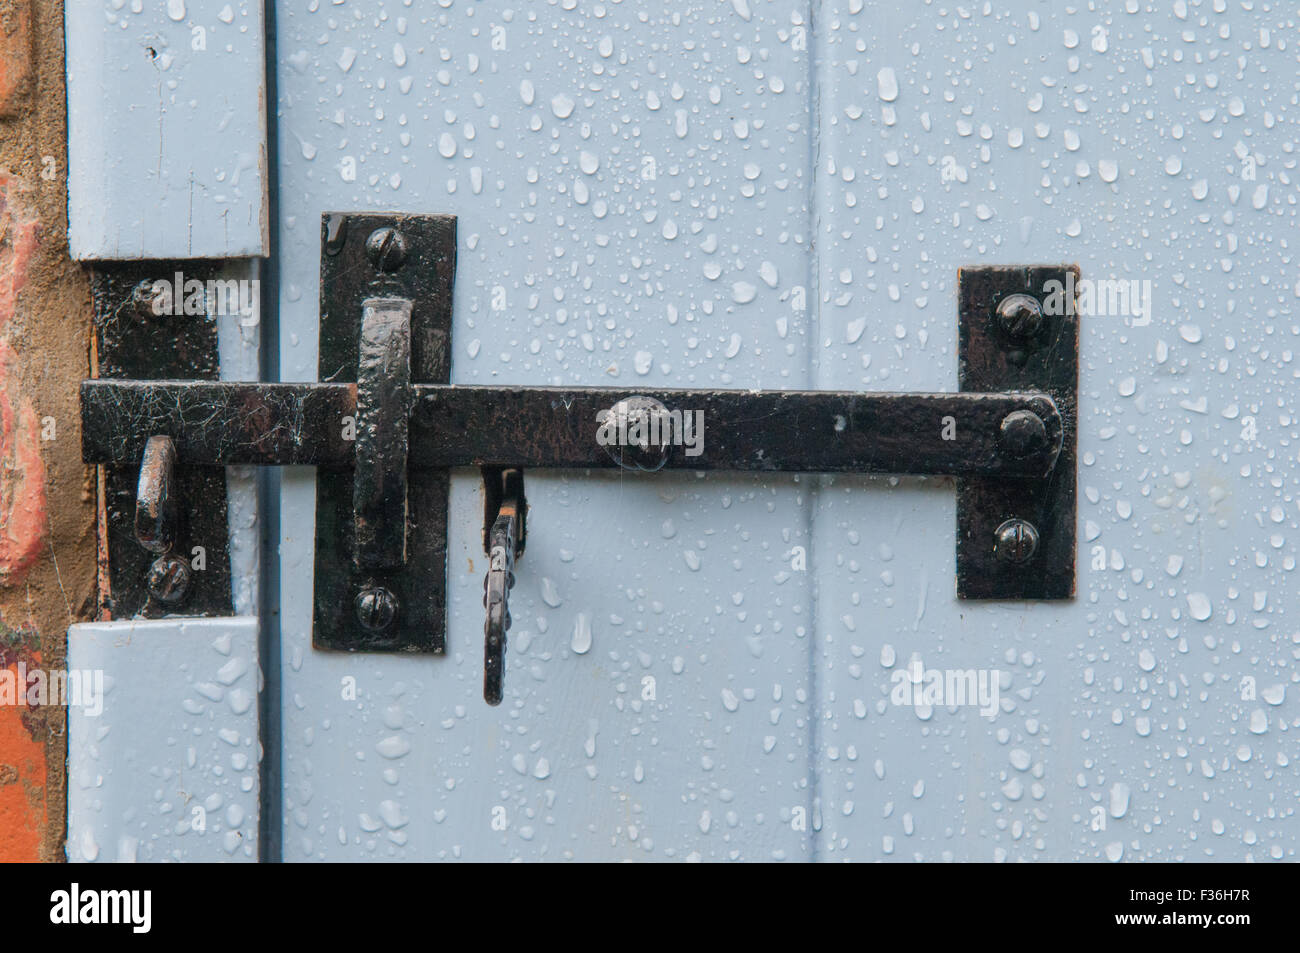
{"points": [[505, 510]]}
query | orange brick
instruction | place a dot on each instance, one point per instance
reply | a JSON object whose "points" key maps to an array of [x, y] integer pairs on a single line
{"points": [[22, 762], [23, 515]]}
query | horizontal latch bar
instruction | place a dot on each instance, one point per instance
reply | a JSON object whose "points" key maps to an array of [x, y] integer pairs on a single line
{"points": [[219, 423]]}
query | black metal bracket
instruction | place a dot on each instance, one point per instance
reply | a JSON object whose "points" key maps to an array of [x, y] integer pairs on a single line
{"points": [[163, 529], [381, 522], [1018, 330], [384, 427]]}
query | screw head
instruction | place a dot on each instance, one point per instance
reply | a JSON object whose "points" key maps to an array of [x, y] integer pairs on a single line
{"points": [[376, 608], [169, 579], [1023, 433], [1015, 541], [386, 249], [1020, 316]]}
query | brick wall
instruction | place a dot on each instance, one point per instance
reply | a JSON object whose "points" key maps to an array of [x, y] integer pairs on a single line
{"points": [[47, 549]]}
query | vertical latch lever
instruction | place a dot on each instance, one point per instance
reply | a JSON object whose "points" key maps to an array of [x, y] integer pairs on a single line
{"points": [[503, 540]]}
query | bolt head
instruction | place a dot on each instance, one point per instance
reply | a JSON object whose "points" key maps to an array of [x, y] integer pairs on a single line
{"points": [[1023, 433], [376, 608], [386, 249], [1020, 316], [1015, 542], [169, 579]]}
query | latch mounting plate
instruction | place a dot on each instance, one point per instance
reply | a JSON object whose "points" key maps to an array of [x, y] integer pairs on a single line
{"points": [[400, 607], [1018, 330]]}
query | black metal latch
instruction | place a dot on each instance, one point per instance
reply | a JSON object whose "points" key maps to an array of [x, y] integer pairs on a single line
{"points": [[384, 427]]}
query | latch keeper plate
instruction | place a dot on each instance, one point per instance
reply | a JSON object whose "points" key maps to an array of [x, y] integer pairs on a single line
{"points": [[138, 337]]}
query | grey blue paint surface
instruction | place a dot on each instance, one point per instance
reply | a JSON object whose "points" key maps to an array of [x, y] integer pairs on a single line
{"points": [[1156, 716], [166, 129], [650, 197], [163, 757]]}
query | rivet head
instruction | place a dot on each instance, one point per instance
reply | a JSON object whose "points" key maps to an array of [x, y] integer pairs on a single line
{"points": [[168, 580], [637, 433], [1023, 433], [386, 249], [1020, 317], [376, 608], [1015, 542]]}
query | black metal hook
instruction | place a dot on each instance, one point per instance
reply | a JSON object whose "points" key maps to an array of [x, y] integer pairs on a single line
{"points": [[157, 522], [157, 514], [503, 540]]}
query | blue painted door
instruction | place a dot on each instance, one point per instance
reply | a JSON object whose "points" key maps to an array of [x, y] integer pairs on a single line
{"points": [[752, 194], [634, 193]]}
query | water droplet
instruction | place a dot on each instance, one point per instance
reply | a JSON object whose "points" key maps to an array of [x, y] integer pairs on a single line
{"points": [[1198, 603], [742, 292], [887, 84], [580, 642], [562, 106]]}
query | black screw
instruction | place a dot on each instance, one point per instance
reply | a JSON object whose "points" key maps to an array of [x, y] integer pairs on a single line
{"points": [[386, 249], [169, 579], [1015, 541], [1020, 316], [376, 608], [1023, 433]]}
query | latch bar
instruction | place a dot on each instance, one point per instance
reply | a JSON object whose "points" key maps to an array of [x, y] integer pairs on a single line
{"points": [[215, 423]]}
